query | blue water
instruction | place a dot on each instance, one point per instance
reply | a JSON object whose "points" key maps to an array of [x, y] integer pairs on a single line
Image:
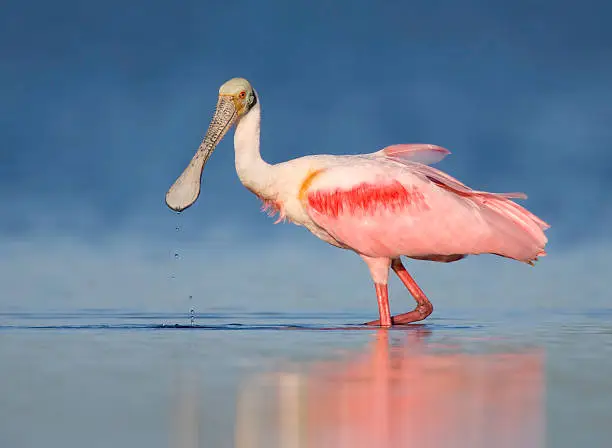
{"points": [[100, 378]]}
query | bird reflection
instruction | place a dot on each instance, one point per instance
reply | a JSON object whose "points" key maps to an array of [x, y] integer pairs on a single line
{"points": [[409, 393]]}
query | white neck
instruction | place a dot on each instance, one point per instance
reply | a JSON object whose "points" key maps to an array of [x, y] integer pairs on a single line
{"points": [[254, 172]]}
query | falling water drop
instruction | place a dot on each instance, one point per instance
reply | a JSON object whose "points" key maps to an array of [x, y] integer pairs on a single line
{"points": [[191, 312], [176, 257]]}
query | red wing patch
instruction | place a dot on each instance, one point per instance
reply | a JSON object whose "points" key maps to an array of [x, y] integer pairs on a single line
{"points": [[367, 198]]}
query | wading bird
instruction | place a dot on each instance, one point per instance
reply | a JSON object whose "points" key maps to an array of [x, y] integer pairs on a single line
{"points": [[381, 205]]}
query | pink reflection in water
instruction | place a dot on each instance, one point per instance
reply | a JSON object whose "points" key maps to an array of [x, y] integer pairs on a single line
{"points": [[410, 395]]}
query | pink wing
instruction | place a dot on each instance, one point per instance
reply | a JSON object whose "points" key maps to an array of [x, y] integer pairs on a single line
{"points": [[414, 152], [384, 210], [427, 154], [450, 183]]}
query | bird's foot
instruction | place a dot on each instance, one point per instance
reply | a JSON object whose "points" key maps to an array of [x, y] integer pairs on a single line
{"points": [[419, 313]]}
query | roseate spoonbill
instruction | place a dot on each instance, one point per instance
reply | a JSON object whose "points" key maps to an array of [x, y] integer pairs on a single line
{"points": [[381, 205]]}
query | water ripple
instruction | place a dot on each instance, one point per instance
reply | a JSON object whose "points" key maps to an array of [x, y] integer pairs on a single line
{"points": [[133, 320]]}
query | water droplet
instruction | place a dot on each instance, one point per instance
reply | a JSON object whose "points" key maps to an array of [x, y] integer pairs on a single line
{"points": [[176, 255], [191, 315], [177, 228]]}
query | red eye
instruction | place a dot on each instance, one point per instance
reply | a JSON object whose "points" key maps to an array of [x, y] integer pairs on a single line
{"points": [[242, 95]]}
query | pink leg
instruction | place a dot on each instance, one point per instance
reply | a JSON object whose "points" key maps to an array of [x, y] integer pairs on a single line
{"points": [[379, 270], [424, 307], [382, 295]]}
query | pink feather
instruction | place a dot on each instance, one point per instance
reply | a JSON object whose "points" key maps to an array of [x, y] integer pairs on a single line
{"points": [[414, 152], [454, 221]]}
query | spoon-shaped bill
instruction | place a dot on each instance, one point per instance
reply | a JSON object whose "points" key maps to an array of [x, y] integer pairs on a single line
{"points": [[186, 189]]}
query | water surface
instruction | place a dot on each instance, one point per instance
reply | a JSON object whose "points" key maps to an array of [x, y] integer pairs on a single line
{"points": [[101, 378]]}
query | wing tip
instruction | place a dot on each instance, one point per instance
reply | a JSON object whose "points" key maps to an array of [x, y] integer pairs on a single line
{"points": [[403, 148], [424, 153]]}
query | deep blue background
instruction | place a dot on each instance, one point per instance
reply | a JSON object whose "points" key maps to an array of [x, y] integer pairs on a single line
{"points": [[103, 103]]}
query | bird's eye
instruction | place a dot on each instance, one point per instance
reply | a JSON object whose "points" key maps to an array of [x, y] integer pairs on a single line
{"points": [[242, 95]]}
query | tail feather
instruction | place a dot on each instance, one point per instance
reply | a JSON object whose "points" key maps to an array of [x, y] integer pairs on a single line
{"points": [[517, 234]]}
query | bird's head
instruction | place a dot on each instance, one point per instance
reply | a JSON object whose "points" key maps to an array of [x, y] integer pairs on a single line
{"points": [[236, 99], [240, 93]]}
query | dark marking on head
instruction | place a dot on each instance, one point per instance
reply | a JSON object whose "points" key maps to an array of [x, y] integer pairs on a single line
{"points": [[252, 99]]}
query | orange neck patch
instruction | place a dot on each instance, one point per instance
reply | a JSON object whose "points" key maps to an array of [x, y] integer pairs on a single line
{"points": [[306, 184]]}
